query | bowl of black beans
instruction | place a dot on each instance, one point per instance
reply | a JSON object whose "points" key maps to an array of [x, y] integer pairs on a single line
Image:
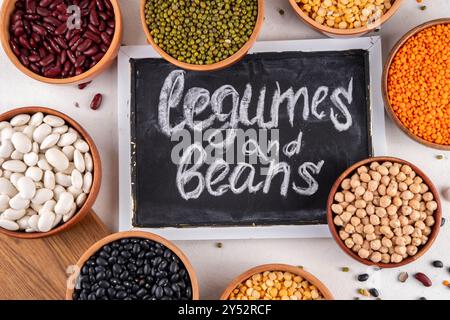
{"points": [[133, 266], [61, 41]]}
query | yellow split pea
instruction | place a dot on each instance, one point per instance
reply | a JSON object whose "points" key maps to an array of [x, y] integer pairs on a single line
{"points": [[276, 285], [345, 14]]}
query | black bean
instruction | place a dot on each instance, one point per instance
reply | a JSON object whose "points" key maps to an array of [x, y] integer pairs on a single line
{"points": [[100, 276], [159, 292], [125, 254], [101, 261], [163, 282], [100, 292], [374, 292], [104, 284], [117, 269], [363, 277], [438, 264], [168, 291], [121, 295], [173, 268]]}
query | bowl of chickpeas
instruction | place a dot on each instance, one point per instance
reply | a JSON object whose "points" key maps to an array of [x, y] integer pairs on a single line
{"points": [[276, 282], [345, 18], [384, 211]]}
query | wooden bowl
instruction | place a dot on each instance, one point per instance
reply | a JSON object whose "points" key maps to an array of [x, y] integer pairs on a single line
{"points": [[102, 65], [385, 77], [97, 173], [334, 32], [210, 67], [145, 235], [437, 215], [277, 267]]}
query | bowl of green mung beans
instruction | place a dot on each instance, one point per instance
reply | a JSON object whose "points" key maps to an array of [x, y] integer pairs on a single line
{"points": [[202, 35]]}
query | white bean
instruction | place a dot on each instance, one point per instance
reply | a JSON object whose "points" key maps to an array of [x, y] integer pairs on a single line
{"points": [[6, 148], [71, 213], [67, 139], [14, 166], [15, 178], [36, 119], [57, 159], [4, 202], [18, 203], [35, 147], [57, 221], [87, 182], [44, 165], [58, 191], [4, 124], [41, 132], [49, 180], [7, 134], [28, 131], [54, 121], [33, 222], [9, 225], [26, 188], [21, 142], [69, 152], [20, 120], [42, 195], [64, 203], [16, 155], [11, 214], [31, 159], [63, 179], [69, 169], [50, 141], [34, 173], [88, 162], [78, 161], [77, 179], [81, 145], [48, 206], [23, 223], [7, 188], [46, 221], [81, 199], [61, 130], [74, 191]]}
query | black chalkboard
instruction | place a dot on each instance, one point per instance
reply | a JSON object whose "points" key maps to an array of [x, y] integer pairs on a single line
{"points": [[334, 82]]}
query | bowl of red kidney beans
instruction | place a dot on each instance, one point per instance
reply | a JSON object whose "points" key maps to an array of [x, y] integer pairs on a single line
{"points": [[133, 265], [61, 41]]}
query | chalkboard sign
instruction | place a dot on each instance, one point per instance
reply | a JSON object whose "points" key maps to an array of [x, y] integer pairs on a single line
{"points": [[259, 143]]}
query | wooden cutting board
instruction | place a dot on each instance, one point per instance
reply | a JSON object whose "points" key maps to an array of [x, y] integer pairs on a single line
{"points": [[36, 269]]}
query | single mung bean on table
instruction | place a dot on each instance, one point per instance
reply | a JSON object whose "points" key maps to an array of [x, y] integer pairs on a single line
{"points": [[133, 269], [201, 32]]}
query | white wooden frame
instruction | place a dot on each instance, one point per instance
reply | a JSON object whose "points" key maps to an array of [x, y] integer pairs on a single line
{"points": [[371, 44]]}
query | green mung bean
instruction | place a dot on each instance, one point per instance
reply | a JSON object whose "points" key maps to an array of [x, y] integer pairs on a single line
{"points": [[201, 32]]}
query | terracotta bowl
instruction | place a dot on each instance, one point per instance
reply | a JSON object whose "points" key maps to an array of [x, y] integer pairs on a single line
{"points": [[145, 235], [334, 32], [386, 69], [437, 215], [277, 267], [102, 65], [97, 173], [215, 66]]}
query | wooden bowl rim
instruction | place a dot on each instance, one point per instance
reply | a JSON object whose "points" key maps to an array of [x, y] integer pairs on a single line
{"points": [[385, 76], [5, 15], [277, 267], [210, 67], [145, 235], [96, 175], [344, 32], [437, 215]]}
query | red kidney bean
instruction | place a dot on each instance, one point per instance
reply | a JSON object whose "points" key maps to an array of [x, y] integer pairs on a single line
{"points": [[96, 101], [108, 5], [103, 15], [102, 26], [24, 42], [93, 17], [103, 48], [67, 67], [110, 31], [55, 3], [76, 44], [17, 16], [92, 51], [86, 44], [34, 68], [30, 6], [84, 4], [74, 40], [34, 58], [47, 60], [423, 278], [33, 43], [100, 5], [45, 3], [36, 37], [63, 57], [81, 86], [48, 47], [63, 17], [14, 47], [71, 56], [49, 27], [53, 72], [111, 23], [27, 26], [80, 61], [62, 8], [105, 38], [78, 71], [98, 57], [43, 12], [54, 45], [24, 60], [60, 41], [61, 29], [42, 52], [53, 21], [94, 37], [40, 30], [19, 5], [32, 16], [19, 31]]}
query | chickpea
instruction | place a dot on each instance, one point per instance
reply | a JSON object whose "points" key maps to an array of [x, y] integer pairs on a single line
{"points": [[363, 253], [415, 188], [401, 250], [360, 204], [357, 239], [375, 244], [370, 209], [415, 215], [385, 258], [407, 239], [374, 220], [409, 181], [400, 241], [423, 188], [395, 223], [368, 196], [351, 208], [417, 233], [424, 240], [349, 228], [366, 245], [359, 228], [394, 170], [397, 201], [429, 221], [346, 184], [376, 176], [385, 230], [406, 169], [408, 229], [354, 183], [371, 236], [355, 221], [365, 177], [428, 196], [361, 213], [396, 258], [349, 197], [385, 221], [375, 257], [411, 250], [356, 248], [365, 221], [414, 204], [346, 216], [382, 190], [384, 250], [372, 185], [391, 210], [385, 201], [426, 231], [338, 221], [376, 201], [401, 176], [383, 170], [432, 205], [339, 197], [407, 195], [416, 242], [361, 170]]}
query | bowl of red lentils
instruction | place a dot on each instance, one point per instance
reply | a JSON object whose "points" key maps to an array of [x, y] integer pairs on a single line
{"points": [[384, 212], [416, 84], [276, 282], [345, 18]]}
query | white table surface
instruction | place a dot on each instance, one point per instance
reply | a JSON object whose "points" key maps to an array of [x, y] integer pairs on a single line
{"points": [[217, 267]]}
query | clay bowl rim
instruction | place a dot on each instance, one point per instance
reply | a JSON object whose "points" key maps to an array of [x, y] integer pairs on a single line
{"points": [[437, 215], [277, 267], [345, 32], [236, 57], [104, 63], [145, 235], [96, 175], [385, 76]]}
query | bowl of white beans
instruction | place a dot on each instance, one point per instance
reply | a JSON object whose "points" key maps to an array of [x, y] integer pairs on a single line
{"points": [[50, 172]]}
